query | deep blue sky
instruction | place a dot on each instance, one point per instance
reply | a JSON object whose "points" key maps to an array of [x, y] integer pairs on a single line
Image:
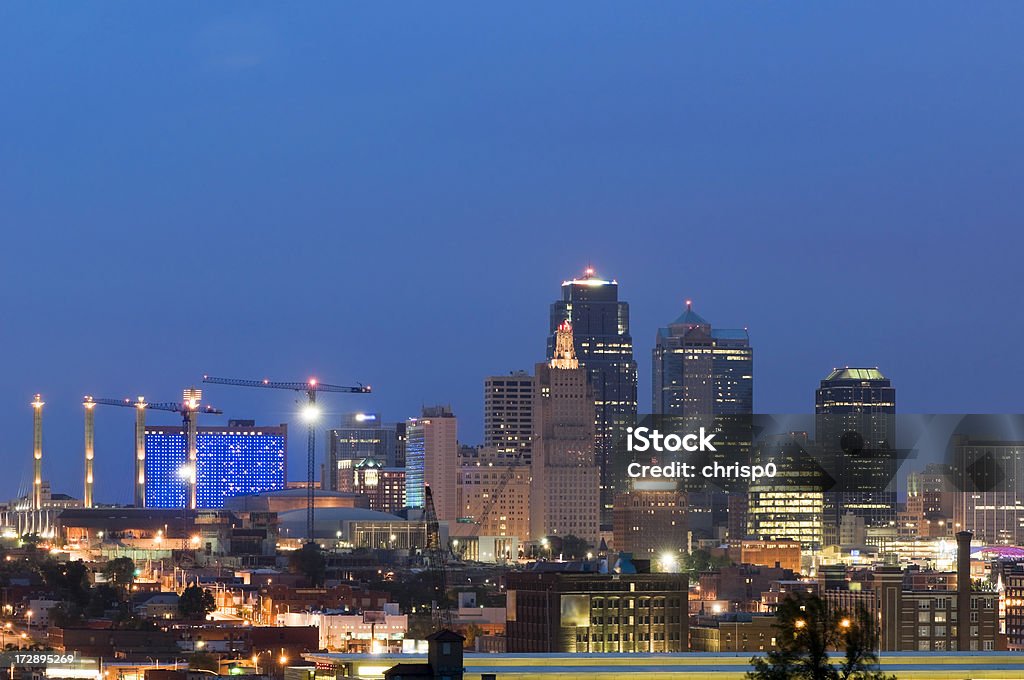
{"points": [[392, 193]]}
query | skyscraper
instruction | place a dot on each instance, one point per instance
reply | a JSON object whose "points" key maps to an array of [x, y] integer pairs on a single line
{"points": [[789, 506], [508, 416], [706, 375], [702, 371], [432, 459], [565, 495], [236, 460], [604, 347], [990, 475], [855, 430], [360, 436]]}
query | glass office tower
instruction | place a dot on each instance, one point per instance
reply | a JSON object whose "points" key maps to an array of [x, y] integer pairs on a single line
{"points": [[604, 347], [855, 429]]}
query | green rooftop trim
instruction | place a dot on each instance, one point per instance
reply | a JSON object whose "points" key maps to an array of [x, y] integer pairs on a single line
{"points": [[848, 373]]}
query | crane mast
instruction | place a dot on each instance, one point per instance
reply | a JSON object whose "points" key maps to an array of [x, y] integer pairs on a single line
{"points": [[437, 563], [310, 387], [189, 408]]}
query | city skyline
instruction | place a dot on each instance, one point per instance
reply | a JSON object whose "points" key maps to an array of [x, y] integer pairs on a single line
{"points": [[332, 415]]}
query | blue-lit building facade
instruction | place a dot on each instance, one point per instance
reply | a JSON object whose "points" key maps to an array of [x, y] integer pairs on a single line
{"points": [[239, 459], [415, 464]]}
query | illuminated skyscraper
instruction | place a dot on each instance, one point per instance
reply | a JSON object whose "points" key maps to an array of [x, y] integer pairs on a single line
{"points": [[360, 436], [236, 460], [508, 416], [384, 486], [432, 459], [706, 375], [565, 494], [702, 371], [604, 347], [790, 505], [855, 430]]}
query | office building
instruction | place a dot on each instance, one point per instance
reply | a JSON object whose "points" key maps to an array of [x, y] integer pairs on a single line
{"points": [[735, 632], [565, 498], [855, 432], [494, 495], [649, 520], [239, 459], [927, 619], [383, 486], [508, 416], [604, 347], [361, 436], [699, 371], [791, 505], [990, 474], [588, 611], [432, 459], [399, 443]]}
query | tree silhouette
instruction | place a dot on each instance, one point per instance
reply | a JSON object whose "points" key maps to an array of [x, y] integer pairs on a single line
{"points": [[196, 602], [808, 629]]}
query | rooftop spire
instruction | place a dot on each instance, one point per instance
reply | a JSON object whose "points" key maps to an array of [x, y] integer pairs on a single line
{"points": [[565, 352]]}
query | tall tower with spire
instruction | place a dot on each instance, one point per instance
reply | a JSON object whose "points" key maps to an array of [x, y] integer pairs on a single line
{"points": [[701, 372], [604, 348], [565, 492]]}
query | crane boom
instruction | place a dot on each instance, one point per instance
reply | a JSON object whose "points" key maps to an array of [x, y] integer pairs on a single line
{"points": [[157, 406], [188, 411], [310, 387]]}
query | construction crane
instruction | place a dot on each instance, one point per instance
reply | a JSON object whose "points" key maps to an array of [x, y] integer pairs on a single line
{"points": [[485, 512], [437, 565], [310, 387], [189, 408]]}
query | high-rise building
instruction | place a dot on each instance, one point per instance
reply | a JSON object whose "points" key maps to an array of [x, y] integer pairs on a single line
{"points": [[399, 444], [789, 506], [650, 520], [239, 459], [383, 486], [990, 475], [432, 459], [700, 371], [604, 347], [508, 416], [494, 495], [705, 376], [855, 432], [565, 498], [361, 435]]}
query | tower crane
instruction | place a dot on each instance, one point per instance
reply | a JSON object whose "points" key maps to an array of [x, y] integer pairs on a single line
{"points": [[437, 564], [189, 408], [310, 387]]}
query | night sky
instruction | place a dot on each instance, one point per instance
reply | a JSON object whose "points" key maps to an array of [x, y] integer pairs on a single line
{"points": [[392, 194]]}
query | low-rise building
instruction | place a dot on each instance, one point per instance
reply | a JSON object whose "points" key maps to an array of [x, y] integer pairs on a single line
{"points": [[574, 607]]}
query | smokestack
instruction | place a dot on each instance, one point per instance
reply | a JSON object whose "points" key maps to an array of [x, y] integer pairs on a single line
{"points": [[140, 453], [963, 590], [37, 453], [90, 439]]}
